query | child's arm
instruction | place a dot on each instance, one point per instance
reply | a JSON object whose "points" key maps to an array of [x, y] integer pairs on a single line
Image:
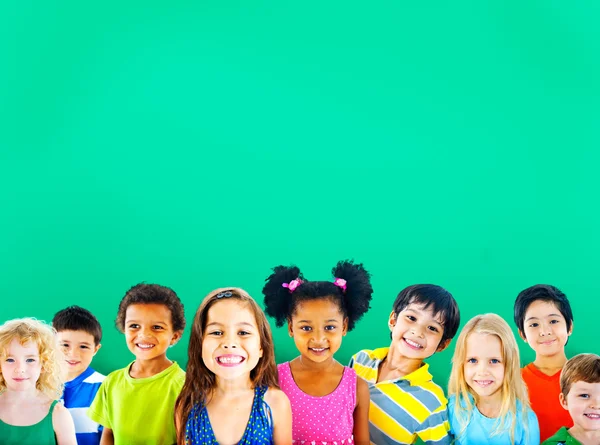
{"points": [[107, 437], [361, 413], [533, 429], [179, 422], [63, 425], [436, 428], [281, 411]]}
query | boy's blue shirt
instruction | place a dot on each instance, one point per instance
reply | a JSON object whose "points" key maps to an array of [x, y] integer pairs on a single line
{"points": [[78, 395]]}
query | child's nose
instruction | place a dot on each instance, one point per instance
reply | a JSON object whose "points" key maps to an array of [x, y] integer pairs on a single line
{"points": [[229, 341], [545, 329], [417, 330], [319, 334]]}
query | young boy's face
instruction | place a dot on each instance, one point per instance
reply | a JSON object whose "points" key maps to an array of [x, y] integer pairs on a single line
{"points": [[149, 330], [79, 348], [583, 404], [417, 332], [545, 328]]}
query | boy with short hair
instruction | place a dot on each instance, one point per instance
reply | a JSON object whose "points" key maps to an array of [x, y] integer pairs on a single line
{"points": [[580, 395], [406, 404], [545, 321], [79, 334]]}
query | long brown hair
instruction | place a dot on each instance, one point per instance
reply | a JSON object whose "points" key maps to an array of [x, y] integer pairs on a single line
{"points": [[199, 380]]}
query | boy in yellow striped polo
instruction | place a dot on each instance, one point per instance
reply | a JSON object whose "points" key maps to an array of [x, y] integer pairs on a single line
{"points": [[405, 403]]}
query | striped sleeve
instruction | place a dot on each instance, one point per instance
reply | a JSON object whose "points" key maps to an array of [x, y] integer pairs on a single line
{"points": [[435, 429]]}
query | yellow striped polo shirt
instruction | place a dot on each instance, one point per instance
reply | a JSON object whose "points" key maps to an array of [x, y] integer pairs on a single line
{"points": [[405, 408]]}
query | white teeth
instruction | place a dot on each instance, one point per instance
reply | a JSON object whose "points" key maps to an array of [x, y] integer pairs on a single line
{"points": [[484, 382], [230, 359], [593, 416], [318, 349], [412, 343], [143, 346]]}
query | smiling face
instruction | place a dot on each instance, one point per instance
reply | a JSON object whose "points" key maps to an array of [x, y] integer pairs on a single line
{"points": [[79, 348], [417, 332], [149, 331], [583, 404], [545, 328], [231, 342], [317, 327], [21, 367], [484, 365]]}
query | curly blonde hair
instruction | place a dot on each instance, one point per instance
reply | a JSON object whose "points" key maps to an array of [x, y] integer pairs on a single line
{"points": [[26, 330]]}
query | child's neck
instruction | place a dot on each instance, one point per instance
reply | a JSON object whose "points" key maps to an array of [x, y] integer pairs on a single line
{"points": [[72, 376], [585, 437], [490, 406], [395, 366], [18, 397], [550, 364], [307, 364], [147, 368], [232, 387]]}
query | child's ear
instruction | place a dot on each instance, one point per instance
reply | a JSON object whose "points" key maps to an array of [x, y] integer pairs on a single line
{"points": [[563, 401], [98, 346], [443, 345], [176, 337], [290, 330], [392, 320], [522, 335], [570, 330], [345, 329]]}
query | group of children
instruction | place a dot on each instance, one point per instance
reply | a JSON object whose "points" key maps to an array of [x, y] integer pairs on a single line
{"points": [[233, 392]]}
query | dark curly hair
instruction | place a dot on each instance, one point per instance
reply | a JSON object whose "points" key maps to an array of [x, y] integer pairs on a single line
{"points": [[152, 294], [281, 304]]}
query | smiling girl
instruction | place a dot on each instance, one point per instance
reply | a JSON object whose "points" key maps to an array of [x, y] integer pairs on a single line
{"points": [[231, 394], [30, 386], [488, 400], [329, 403], [136, 404]]}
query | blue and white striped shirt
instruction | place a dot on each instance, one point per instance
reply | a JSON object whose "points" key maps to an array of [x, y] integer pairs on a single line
{"points": [[78, 395]]}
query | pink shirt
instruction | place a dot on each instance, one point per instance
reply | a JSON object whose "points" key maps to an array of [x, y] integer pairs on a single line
{"points": [[326, 420]]}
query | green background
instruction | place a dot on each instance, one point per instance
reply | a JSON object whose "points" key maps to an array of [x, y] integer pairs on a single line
{"points": [[199, 144]]}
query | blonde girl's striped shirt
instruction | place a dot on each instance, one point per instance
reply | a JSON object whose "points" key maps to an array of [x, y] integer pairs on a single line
{"points": [[405, 408]]}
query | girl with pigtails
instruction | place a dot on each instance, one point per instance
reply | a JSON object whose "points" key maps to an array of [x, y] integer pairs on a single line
{"points": [[330, 405]]}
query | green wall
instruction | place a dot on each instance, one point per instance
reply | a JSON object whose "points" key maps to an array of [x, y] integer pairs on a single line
{"points": [[199, 144]]}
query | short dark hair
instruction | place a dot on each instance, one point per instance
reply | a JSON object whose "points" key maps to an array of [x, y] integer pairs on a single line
{"points": [[543, 292], [432, 295], [152, 294], [76, 318], [353, 298]]}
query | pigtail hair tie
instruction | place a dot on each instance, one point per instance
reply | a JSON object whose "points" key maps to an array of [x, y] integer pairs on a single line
{"points": [[341, 283], [292, 285]]}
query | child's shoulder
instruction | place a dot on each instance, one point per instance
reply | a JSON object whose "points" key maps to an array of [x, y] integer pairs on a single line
{"points": [[429, 386], [560, 437], [369, 357], [276, 399], [94, 377]]}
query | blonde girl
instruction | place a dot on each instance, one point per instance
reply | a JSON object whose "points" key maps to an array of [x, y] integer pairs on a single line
{"points": [[488, 401], [31, 383]]}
